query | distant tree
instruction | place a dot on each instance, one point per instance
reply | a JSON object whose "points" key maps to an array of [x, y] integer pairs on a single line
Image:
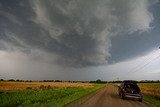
{"points": [[44, 81], [58, 80], [17, 80], [28, 80], [98, 81], [11, 80], [1, 79]]}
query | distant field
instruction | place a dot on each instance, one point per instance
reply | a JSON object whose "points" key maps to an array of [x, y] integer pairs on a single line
{"points": [[4, 86], [43, 94]]}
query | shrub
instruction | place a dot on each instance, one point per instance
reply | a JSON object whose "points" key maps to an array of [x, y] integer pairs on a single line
{"points": [[48, 87], [29, 88]]}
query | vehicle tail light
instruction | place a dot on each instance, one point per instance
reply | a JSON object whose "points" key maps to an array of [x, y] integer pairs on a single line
{"points": [[124, 90]]}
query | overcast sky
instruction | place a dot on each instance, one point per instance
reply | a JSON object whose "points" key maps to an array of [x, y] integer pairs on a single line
{"points": [[80, 39]]}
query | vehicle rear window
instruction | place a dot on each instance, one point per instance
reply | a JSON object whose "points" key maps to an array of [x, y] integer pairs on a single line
{"points": [[132, 86]]}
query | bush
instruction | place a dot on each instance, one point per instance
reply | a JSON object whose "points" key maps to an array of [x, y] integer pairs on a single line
{"points": [[48, 87], [29, 88], [42, 87], [11, 80]]}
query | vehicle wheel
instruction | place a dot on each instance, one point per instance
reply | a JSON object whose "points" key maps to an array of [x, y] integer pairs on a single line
{"points": [[122, 96], [140, 100]]}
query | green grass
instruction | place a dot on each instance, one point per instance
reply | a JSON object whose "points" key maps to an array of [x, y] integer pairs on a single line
{"points": [[55, 97], [153, 101]]}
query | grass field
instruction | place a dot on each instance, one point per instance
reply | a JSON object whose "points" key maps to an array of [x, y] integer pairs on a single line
{"points": [[43, 94], [152, 89], [23, 85]]}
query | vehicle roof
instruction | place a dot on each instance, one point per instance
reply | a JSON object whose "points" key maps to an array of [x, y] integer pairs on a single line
{"points": [[130, 81]]}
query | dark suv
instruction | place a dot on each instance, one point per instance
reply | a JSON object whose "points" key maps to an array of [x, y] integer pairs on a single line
{"points": [[130, 89]]}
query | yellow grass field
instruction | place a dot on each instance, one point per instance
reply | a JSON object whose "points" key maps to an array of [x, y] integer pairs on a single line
{"points": [[152, 89], [6, 86]]}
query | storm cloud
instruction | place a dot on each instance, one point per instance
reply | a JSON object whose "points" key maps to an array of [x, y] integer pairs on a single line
{"points": [[74, 33]]}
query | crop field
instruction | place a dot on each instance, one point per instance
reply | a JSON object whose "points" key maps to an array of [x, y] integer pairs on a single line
{"points": [[152, 89], [43, 94], [151, 92], [4, 86]]}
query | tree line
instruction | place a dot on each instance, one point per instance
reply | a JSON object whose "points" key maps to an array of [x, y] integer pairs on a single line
{"points": [[96, 81]]}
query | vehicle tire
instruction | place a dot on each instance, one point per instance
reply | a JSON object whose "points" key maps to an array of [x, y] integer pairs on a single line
{"points": [[140, 100], [119, 94], [122, 96]]}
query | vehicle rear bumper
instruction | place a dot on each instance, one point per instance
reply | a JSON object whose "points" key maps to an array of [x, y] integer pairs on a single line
{"points": [[135, 96]]}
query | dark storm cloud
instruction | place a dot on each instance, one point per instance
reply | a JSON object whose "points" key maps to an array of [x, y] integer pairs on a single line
{"points": [[137, 44], [72, 33]]}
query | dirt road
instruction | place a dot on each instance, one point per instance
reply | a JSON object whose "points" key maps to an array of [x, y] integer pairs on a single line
{"points": [[107, 97]]}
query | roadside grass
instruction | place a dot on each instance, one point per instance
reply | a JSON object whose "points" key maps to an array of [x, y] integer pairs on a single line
{"points": [[52, 97], [154, 102]]}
